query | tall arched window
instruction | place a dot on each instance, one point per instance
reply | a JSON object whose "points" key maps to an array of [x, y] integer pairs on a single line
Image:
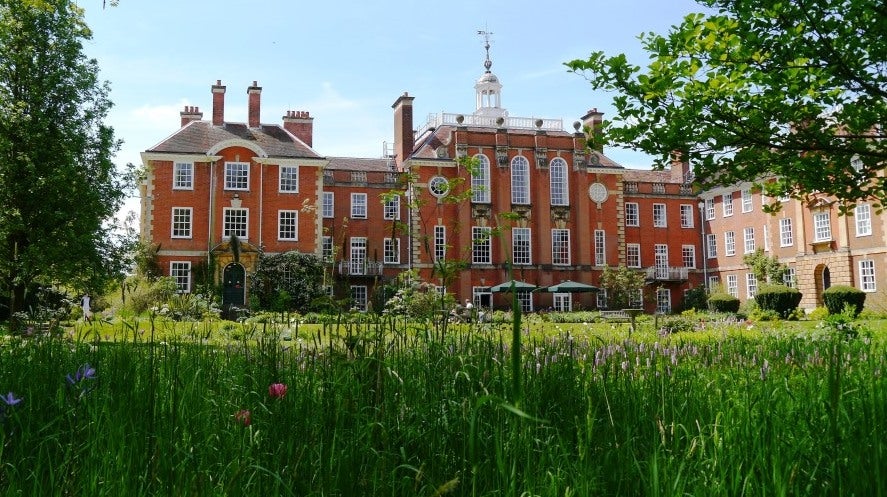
{"points": [[520, 180], [557, 171], [480, 181]]}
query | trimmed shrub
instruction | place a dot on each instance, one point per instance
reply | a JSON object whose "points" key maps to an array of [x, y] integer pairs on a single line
{"points": [[781, 299], [839, 296], [723, 302], [696, 299]]}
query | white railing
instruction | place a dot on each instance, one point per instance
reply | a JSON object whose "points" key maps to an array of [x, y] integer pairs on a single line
{"points": [[360, 268], [435, 120], [667, 273]]}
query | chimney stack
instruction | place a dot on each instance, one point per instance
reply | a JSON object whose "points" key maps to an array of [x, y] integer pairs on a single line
{"points": [[255, 95], [300, 124], [190, 113], [218, 103], [403, 128], [594, 121]]}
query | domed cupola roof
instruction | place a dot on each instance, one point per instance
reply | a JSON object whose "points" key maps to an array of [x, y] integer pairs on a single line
{"points": [[488, 89]]}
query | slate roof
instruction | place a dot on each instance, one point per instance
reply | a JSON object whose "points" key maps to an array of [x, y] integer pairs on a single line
{"points": [[198, 137], [359, 164]]}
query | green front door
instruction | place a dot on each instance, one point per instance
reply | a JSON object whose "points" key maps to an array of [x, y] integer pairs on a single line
{"points": [[233, 287]]}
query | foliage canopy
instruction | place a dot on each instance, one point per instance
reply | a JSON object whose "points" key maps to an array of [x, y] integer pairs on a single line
{"points": [[760, 88]]}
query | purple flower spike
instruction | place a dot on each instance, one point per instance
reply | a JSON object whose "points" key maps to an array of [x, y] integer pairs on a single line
{"points": [[10, 400]]}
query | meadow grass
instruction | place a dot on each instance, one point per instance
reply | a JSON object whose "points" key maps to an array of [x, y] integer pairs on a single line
{"points": [[389, 408]]}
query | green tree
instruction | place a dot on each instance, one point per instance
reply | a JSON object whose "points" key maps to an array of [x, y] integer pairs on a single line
{"points": [[621, 283], [765, 268], [760, 88], [58, 185], [290, 281]]}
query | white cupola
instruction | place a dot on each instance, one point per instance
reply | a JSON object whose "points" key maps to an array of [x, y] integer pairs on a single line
{"points": [[488, 89]]}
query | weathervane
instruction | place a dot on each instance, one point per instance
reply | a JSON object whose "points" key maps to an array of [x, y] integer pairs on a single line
{"points": [[486, 34]]}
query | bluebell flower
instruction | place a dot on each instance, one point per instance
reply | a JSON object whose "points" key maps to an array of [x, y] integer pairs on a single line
{"points": [[10, 400]]}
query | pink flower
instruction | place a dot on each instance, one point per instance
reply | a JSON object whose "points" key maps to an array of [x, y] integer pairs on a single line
{"points": [[243, 417], [277, 390]]}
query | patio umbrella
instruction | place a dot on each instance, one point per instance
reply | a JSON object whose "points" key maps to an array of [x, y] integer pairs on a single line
{"points": [[519, 286], [568, 286]]}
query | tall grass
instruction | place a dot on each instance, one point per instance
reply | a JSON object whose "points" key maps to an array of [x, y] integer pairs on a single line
{"points": [[375, 409]]}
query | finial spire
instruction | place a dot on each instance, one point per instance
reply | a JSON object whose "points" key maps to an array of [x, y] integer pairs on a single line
{"points": [[486, 34]]}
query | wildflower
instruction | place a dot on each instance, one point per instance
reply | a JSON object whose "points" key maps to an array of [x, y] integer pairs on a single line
{"points": [[277, 390], [243, 417], [765, 369], [10, 400], [84, 372]]}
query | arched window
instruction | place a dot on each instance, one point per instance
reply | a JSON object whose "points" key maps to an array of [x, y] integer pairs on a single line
{"points": [[557, 171], [520, 180], [480, 181]]}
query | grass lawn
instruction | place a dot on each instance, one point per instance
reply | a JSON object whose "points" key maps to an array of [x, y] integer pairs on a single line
{"points": [[389, 408]]}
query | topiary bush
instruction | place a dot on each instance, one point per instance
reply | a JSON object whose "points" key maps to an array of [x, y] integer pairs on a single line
{"points": [[839, 296], [781, 299], [723, 302]]}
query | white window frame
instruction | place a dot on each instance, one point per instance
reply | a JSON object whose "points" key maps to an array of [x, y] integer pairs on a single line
{"points": [[288, 220], [183, 176], [521, 246], [867, 281], [765, 234], [440, 242], [751, 285], [660, 218], [733, 285], [326, 248], [481, 245], [237, 176], [862, 214], [520, 180], [180, 271], [636, 298], [688, 256], [600, 248], [601, 300], [560, 247], [480, 182], [660, 260], [709, 209], [525, 299], [789, 277], [288, 182], [748, 237], [729, 243], [687, 216], [786, 233], [232, 225], [663, 300], [391, 251], [359, 297], [822, 226], [328, 207], [711, 246], [562, 302], [632, 214], [559, 182], [358, 206], [357, 255], [633, 255], [727, 204], [179, 227], [391, 209], [747, 204]]}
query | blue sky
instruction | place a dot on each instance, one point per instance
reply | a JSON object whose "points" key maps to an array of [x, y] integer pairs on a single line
{"points": [[346, 62]]}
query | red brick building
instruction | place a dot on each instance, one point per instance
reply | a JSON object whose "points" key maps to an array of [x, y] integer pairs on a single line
{"points": [[537, 206]]}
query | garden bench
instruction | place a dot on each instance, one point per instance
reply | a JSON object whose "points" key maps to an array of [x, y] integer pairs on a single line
{"points": [[615, 316]]}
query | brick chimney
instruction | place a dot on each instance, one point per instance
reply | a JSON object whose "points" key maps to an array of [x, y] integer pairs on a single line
{"points": [[680, 168], [190, 113], [403, 128], [218, 103], [300, 124], [593, 120], [255, 98]]}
